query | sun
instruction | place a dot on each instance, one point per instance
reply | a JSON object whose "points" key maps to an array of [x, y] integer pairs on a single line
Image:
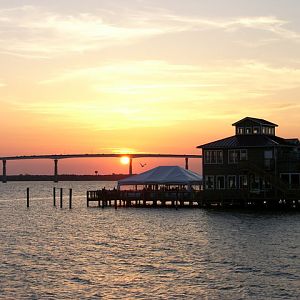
{"points": [[124, 160]]}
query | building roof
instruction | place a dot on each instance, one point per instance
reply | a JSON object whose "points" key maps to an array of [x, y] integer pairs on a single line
{"points": [[163, 175], [251, 140], [255, 120]]}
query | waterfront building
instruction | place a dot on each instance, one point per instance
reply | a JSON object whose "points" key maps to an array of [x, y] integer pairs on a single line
{"points": [[254, 166]]}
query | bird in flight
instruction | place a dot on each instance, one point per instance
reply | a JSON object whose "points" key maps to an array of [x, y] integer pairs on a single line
{"points": [[143, 165]]}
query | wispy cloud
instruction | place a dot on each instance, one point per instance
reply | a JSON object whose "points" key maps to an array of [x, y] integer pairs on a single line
{"points": [[34, 32], [156, 93], [142, 77]]}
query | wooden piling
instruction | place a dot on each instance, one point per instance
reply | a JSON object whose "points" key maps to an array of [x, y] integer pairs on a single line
{"points": [[70, 199], [54, 197], [61, 197], [27, 192], [87, 199]]}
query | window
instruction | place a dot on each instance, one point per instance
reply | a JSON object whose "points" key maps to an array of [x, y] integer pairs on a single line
{"points": [[234, 156], [219, 157], [243, 154], [243, 182], [269, 130], [209, 182], [207, 156], [213, 156], [248, 130], [256, 130], [220, 182], [231, 182], [240, 130]]}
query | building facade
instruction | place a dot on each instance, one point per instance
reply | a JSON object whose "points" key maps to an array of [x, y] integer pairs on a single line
{"points": [[252, 167]]}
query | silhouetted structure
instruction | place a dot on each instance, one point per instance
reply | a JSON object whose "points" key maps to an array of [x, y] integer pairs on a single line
{"points": [[252, 168]]}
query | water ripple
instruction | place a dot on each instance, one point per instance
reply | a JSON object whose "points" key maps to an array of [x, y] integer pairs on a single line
{"points": [[49, 253]]}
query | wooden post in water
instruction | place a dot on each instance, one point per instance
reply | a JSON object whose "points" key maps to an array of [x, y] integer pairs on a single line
{"points": [[70, 199], [54, 196], [87, 199], [61, 197], [28, 197]]}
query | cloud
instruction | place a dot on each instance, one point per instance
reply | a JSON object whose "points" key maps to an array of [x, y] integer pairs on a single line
{"points": [[30, 31], [137, 94], [145, 77]]}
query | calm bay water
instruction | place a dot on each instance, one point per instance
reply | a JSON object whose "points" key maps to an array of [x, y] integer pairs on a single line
{"points": [[137, 253]]}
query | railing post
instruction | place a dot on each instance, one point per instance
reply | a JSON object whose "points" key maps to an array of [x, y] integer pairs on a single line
{"points": [[61, 197], [70, 199], [186, 163], [27, 192], [4, 171], [54, 196], [130, 166], [55, 170]]}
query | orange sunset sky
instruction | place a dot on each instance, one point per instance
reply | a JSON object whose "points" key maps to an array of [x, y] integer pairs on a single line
{"points": [[155, 76]]}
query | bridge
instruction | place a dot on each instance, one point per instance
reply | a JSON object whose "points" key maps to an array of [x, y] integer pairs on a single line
{"points": [[57, 157]]}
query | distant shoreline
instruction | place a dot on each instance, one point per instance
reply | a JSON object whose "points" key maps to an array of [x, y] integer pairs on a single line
{"points": [[66, 177]]}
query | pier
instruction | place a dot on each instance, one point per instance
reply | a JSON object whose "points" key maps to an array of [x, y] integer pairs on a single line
{"points": [[189, 199], [144, 198]]}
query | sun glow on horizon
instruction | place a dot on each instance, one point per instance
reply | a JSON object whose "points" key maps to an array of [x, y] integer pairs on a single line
{"points": [[124, 160]]}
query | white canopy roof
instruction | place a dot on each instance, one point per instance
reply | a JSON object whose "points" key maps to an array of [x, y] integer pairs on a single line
{"points": [[163, 175]]}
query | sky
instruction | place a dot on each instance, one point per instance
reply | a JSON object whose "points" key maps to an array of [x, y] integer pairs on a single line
{"points": [[142, 76]]}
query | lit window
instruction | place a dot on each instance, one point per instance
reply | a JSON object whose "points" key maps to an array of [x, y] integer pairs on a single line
{"points": [[240, 130], [256, 130], [248, 130]]}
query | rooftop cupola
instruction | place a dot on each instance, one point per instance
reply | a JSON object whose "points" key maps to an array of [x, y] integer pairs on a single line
{"points": [[250, 125]]}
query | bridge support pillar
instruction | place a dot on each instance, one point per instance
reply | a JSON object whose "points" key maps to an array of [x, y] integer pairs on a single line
{"points": [[4, 179], [55, 170], [186, 163], [130, 166]]}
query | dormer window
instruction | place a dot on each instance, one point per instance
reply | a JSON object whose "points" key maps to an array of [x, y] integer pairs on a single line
{"points": [[248, 130], [256, 130], [240, 130], [249, 126]]}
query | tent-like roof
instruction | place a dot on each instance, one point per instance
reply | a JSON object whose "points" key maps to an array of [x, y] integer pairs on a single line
{"points": [[163, 175]]}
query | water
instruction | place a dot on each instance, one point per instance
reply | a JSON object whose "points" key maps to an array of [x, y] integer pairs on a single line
{"points": [[137, 253]]}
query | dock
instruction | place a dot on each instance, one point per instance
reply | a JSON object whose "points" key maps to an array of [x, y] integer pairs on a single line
{"points": [[189, 199], [144, 198]]}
